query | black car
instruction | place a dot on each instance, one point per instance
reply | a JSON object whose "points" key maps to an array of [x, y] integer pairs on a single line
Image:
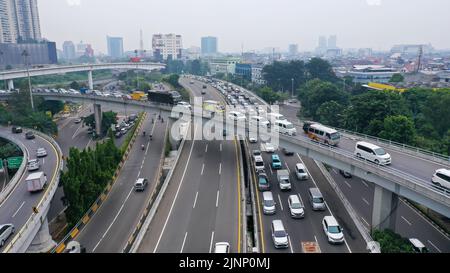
{"points": [[345, 174], [287, 152], [29, 135], [16, 130]]}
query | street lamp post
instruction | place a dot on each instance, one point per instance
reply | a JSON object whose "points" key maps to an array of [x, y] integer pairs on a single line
{"points": [[292, 87], [25, 54]]}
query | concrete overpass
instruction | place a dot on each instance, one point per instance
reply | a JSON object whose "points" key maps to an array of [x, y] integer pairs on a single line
{"points": [[17, 74], [408, 176]]}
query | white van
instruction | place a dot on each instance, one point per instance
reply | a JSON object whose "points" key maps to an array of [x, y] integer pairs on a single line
{"points": [[300, 171], [259, 121], [285, 127], [275, 116], [268, 203], [441, 178], [259, 163], [372, 152], [279, 234]]}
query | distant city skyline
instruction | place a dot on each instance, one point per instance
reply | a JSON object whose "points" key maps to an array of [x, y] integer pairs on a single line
{"points": [[257, 24]]}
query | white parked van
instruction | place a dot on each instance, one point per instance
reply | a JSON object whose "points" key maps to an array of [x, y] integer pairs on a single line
{"points": [[285, 127], [275, 116], [441, 178], [372, 152]]}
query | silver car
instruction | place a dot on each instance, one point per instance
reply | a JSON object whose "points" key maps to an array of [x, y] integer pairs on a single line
{"points": [[41, 152], [5, 231], [33, 165]]}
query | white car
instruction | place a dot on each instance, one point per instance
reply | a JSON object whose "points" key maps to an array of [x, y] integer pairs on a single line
{"points": [[252, 139], [222, 247], [41, 152], [33, 165], [441, 178], [236, 116], [184, 104], [5, 231], [332, 230], [268, 147]]}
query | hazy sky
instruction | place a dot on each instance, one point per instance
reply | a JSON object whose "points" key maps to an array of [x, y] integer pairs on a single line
{"points": [[254, 23]]}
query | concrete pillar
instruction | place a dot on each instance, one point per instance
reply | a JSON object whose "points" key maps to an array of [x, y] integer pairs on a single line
{"points": [[10, 84], [384, 211], [98, 118], [43, 241], [90, 80]]}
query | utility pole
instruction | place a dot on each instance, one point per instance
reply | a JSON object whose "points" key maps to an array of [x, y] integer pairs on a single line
{"points": [[25, 54], [292, 87]]}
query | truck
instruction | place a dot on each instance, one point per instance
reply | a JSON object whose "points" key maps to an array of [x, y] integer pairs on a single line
{"points": [[138, 95], [161, 97], [36, 181], [283, 179]]}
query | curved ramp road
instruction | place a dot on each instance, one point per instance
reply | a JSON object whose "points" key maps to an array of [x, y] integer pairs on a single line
{"points": [[17, 208]]}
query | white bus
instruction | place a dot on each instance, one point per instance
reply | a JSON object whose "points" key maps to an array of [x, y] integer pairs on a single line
{"points": [[321, 133]]}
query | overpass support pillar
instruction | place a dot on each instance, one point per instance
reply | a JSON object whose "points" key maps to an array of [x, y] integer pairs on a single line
{"points": [[384, 211], [98, 118], [90, 80], [10, 84], [42, 242]]}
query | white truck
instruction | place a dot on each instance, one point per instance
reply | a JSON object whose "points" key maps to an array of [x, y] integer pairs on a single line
{"points": [[36, 181], [283, 179]]}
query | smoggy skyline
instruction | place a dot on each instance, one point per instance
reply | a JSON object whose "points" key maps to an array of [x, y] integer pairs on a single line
{"points": [[253, 24]]}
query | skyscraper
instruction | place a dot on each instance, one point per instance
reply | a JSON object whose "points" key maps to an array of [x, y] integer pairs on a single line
{"points": [[322, 42], [167, 46], [19, 21], [332, 42], [115, 46], [69, 50], [209, 45], [293, 49]]}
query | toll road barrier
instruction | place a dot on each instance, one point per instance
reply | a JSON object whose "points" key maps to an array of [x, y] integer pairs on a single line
{"points": [[75, 231]]}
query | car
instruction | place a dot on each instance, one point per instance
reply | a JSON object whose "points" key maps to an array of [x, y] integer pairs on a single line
{"points": [[33, 165], [268, 147], [222, 247], [300, 171], [118, 133], [372, 152], [236, 116], [6, 231], [276, 162], [140, 184], [252, 139], [418, 246], [279, 234], [29, 135], [268, 203], [41, 152], [191, 82], [16, 130], [287, 152], [259, 163], [77, 120], [332, 230], [345, 174], [185, 104], [263, 182], [441, 178], [296, 207]]}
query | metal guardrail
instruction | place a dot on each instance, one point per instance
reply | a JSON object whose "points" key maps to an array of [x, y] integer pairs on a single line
{"points": [[16, 179], [37, 218], [60, 247]]}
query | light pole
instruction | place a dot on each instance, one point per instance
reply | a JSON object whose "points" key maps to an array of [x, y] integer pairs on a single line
{"points": [[25, 55], [292, 87], [137, 75]]}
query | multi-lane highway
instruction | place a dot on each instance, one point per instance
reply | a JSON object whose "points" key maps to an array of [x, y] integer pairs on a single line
{"points": [[17, 208], [201, 205]]}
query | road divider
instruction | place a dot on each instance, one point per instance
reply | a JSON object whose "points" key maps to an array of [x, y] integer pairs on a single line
{"points": [[104, 194]]}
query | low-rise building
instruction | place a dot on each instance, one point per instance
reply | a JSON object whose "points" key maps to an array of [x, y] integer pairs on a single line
{"points": [[225, 65], [371, 73]]}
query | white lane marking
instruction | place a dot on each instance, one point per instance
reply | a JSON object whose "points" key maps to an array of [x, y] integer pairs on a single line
{"points": [[334, 171], [217, 199], [220, 168], [281, 204], [15, 213], [174, 199], [203, 167], [290, 244], [408, 222], [365, 201], [206, 149], [114, 220], [434, 246], [367, 223], [348, 185], [195, 200], [76, 131], [184, 241], [317, 242], [43, 161], [212, 239], [364, 182], [287, 167], [220, 147], [271, 171]]}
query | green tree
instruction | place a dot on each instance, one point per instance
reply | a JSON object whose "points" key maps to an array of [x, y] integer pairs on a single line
{"points": [[279, 75], [267, 94], [397, 77], [52, 106], [108, 119], [320, 69], [398, 128], [331, 113], [75, 85], [391, 242]]}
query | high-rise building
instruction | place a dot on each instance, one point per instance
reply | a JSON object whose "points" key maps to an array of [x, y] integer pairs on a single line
{"points": [[81, 49], [332, 42], [293, 49], [166, 46], [68, 50], [38, 54], [19, 21], [323, 42], [115, 46], [209, 45]]}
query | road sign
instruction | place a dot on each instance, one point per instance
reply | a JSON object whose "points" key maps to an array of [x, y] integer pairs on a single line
{"points": [[14, 162]]}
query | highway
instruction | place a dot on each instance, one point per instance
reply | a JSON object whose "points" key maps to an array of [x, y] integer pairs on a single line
{"points": [[409, 223], [201, 204], [17, 208]]}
